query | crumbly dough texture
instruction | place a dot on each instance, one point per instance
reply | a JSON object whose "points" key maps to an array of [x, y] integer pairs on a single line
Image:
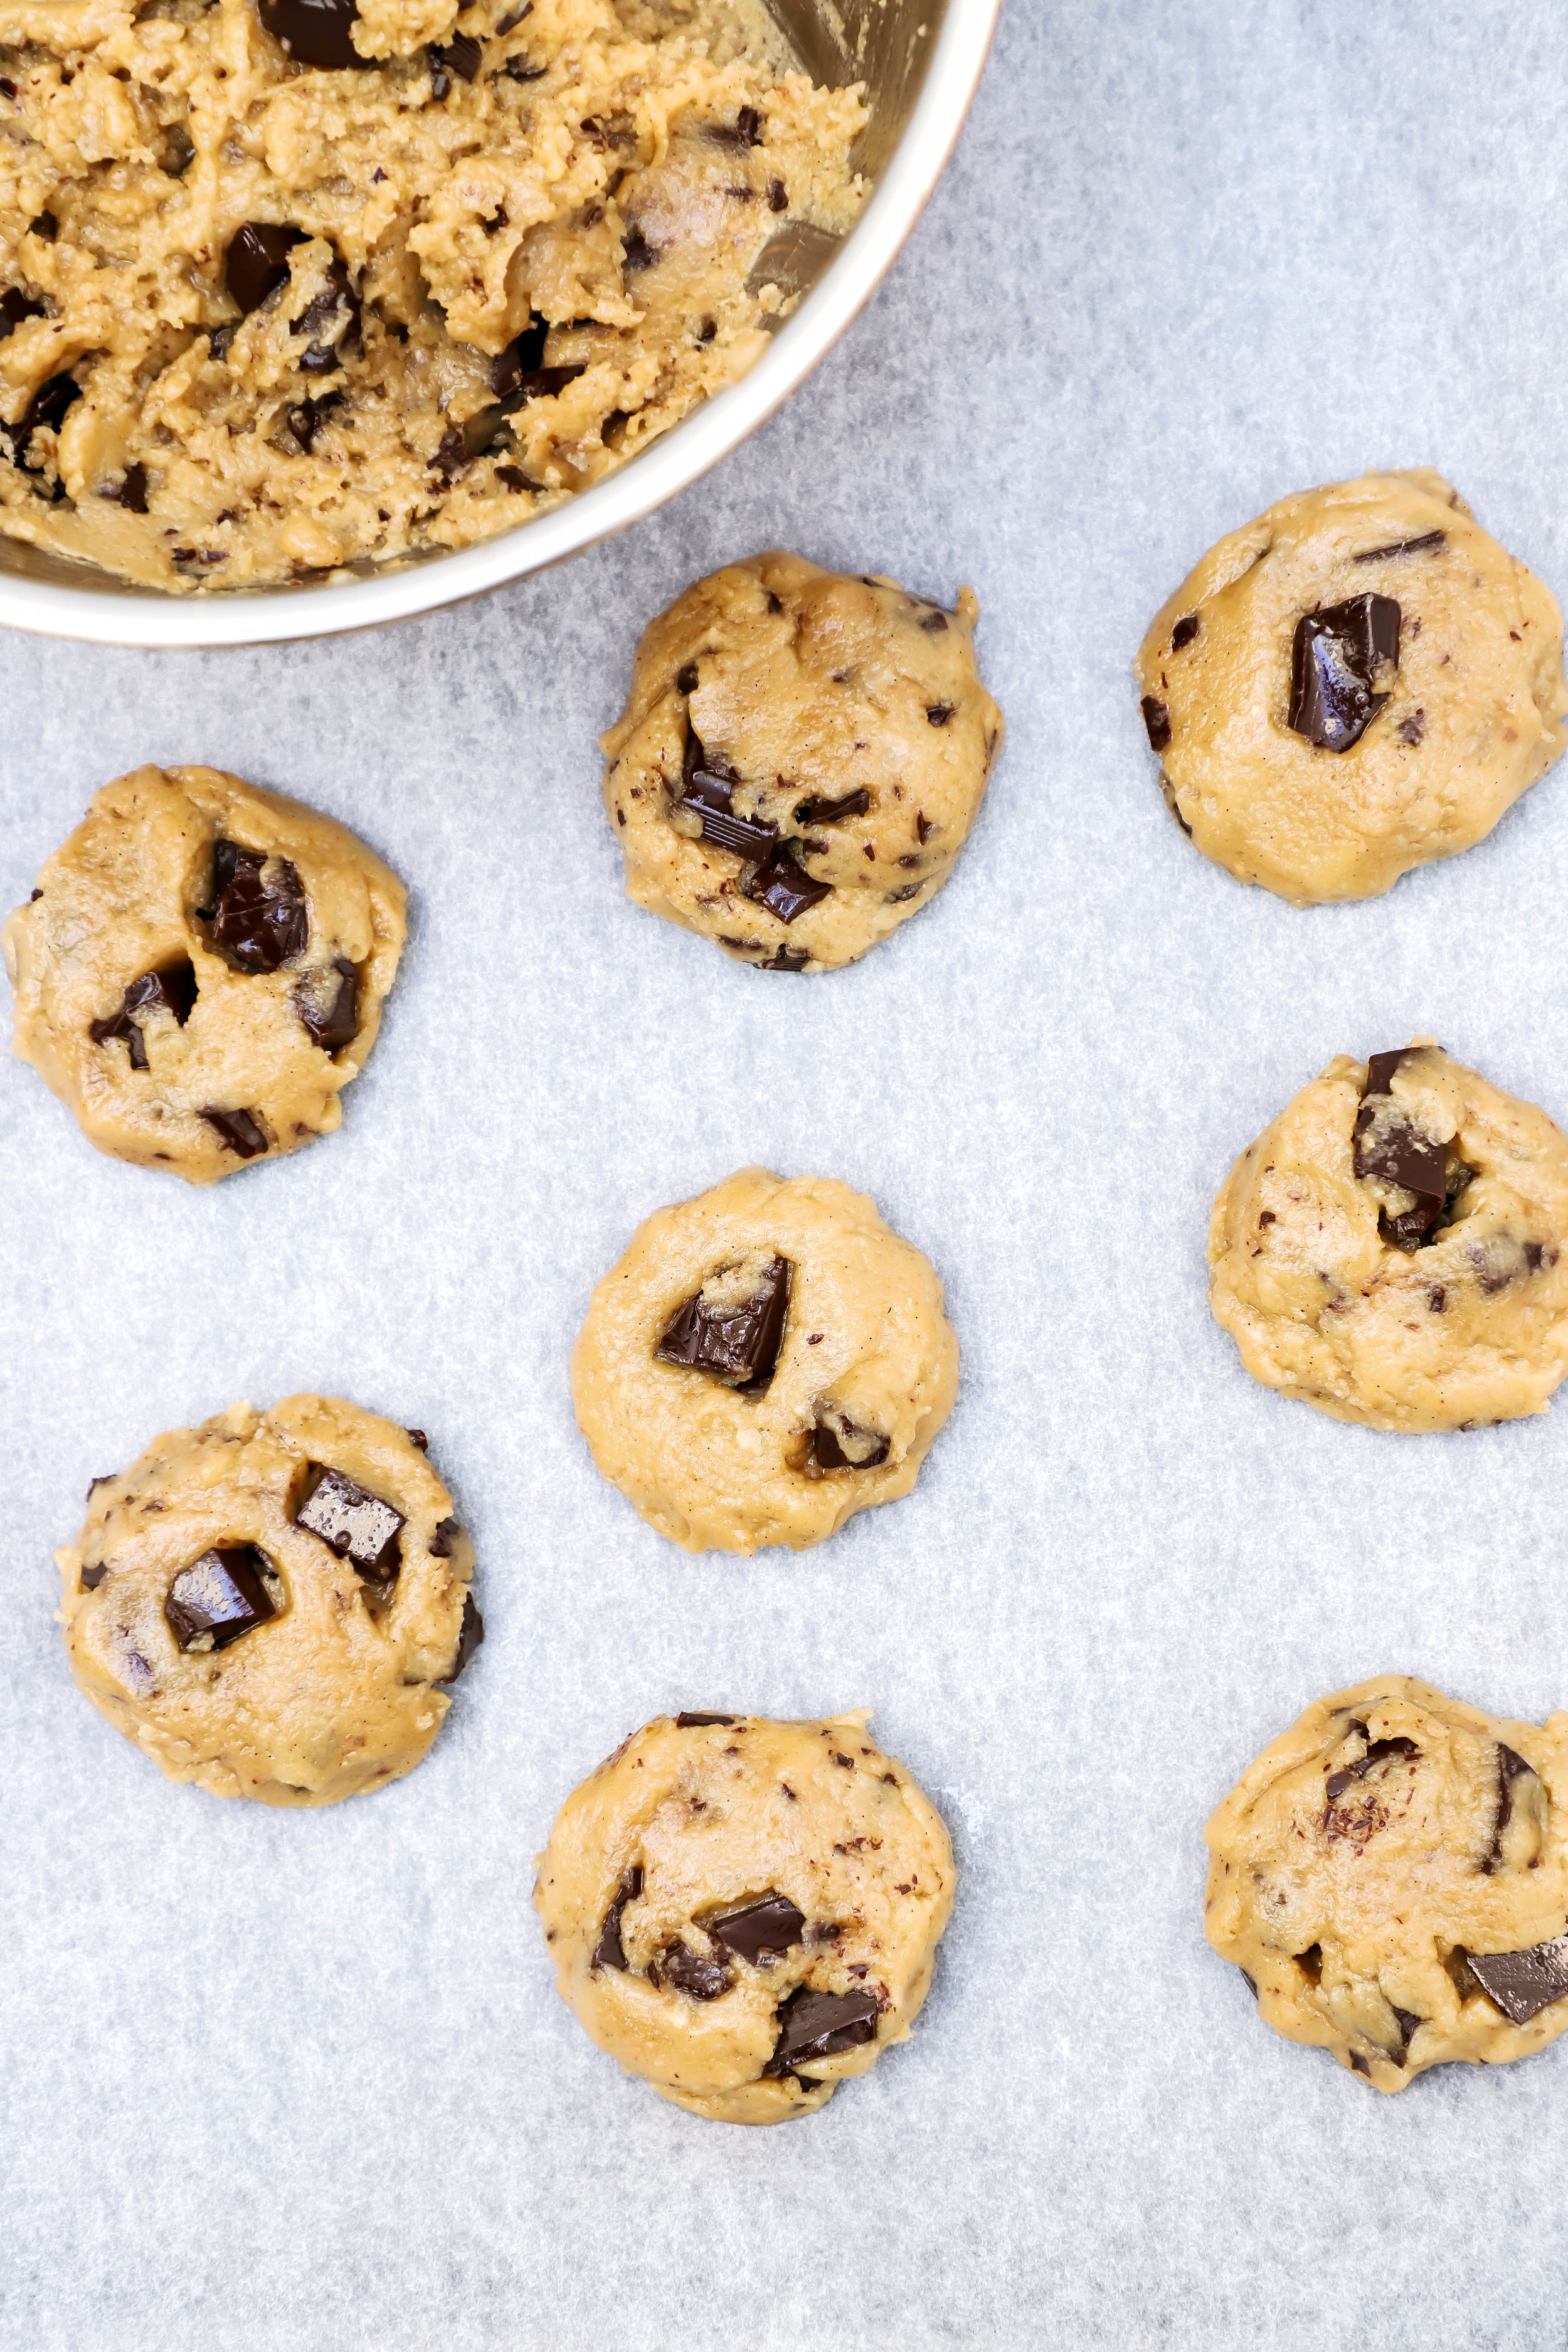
{"points": [[333, 1695], [1471, 1327], [595, 176], [123, 896], [1352, 1914], [810, 687], [866, 1344], [713, 1815], [1474, 715]]}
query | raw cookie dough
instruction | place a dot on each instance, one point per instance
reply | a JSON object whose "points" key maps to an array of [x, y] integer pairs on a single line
{"points": [[763, 1361], [744, 1913], [397, 286], [202, 970], [265, 1604], [799, 761], [1386, 1874], [1359, 682], [1391, 1248]]}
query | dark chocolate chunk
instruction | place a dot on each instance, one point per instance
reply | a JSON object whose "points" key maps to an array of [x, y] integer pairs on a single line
{"points": [[1408, 2021], [707, 784], [330, 1010], [1359, 2064], [821, 2024], [1509, 1766], [237, 1129], [441, 1540], [358, 1525], [514, 17], [746, 131], [939, 713], [306, 417], [778, 196], [772, 1924], [1422, 546], [1390, 1145], [607, 1952], [830, 1454], [519, 69], [14, 306], [686, 679], [818, 812], [131, 492], [173, 990], [783, 886], [47, 406], [315, 32], [461, 55], [257, 262], [688, 1722], [46, 226], [1183, 633], [451, 455], [1337, 659], [91, 1577], [222, 1594], [417, 1437], [934, 624], [1378, 1752], [259, 917], [471, 1633], [739, 1344], [695, 1973], [330, 318], [636, 250], [1380, 1070], [1157, 720], [521, 356], [1524, 1983], [786, 960]]}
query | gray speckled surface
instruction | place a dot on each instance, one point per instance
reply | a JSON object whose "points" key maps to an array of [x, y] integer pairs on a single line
{"points": [[277, 2080]]}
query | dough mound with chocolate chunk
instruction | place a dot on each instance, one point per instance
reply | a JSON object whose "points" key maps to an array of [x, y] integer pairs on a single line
{"points": [[1391, 1875], [265, 1604], [764, 1360], [745, 1912], [800, 759], [292, 285], [1391, 1249], [1360, 681], [202, 969]]}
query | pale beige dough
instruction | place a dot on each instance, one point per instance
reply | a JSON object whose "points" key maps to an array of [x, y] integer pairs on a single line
{"points": [[868, 1355], [702, 1819], [1470, 1327], [597, 177], [335, 1693], [124, 896], [1352, 1914], [804, 687], [1474, 714]]}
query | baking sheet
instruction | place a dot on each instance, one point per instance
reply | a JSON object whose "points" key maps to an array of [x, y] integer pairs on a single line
{"points": [[300, 2080]]}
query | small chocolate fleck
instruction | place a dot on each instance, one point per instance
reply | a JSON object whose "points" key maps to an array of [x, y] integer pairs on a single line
{"points": [[1157, 720], [778, 196], [770, 1923], [1411, 730], [360, 1526], [1426, 544], [740, 1345], [1183, 633], [1337, 657], [237, 1129], [315, 32], [222, 1593], [471, 1633], [690, 1722], [257, 262], [607, 1952], [820, 2025]]}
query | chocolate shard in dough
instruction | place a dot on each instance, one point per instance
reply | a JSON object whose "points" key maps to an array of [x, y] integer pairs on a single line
{"points": [[171, 990], [719, 1995], [1156, 722], [441, 1541], [783, 886], [691, 1722], [462, 54], [738, 1342], [359, 1526], [834, 812], [1428, 544], [1341, 658], [470, 1634], [329, 1012], [708, 798], [237, 1130], [840, 1443], [1355, 1917], [315, 32], [1524, 1983], [221, 1594], [259, 919], [257, 262], [336, 1693]]}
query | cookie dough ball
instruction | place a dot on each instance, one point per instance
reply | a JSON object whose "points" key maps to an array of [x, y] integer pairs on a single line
{"points": [[1391, 1249], [800, 759], [764, 1360], [744, 1913], [1391, 1876], [1359, 682], [265, 1604], [202, 970]]}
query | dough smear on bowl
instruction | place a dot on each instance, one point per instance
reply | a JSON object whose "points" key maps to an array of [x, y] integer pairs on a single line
{"points": [[290, 285]]}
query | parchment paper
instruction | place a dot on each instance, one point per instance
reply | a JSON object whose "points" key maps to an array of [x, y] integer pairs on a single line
{"points": [[277, 2081]]}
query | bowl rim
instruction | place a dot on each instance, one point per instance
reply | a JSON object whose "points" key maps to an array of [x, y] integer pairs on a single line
{"points": [[156, 618]]}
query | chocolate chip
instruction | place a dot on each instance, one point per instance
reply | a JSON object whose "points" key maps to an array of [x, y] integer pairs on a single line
{"points": [[934, 624], [257, 262], [359, 1526], [46, 227], [746, 131], [219, 342], [739, 1344], [328, 1006], [693, 1973], [1411, 730], [1185, 632], [239, 1130], [1310, 1963], [461, 55], [689, 1722], [329, 318], [171, 990], [1408, 2021], [866, 1448], [637, 252], [783, 886], [471, 1633], [1509, 1766], [1337, 657], [1157, 720], [607, 1952], [778, 196], [706, 783], [1422, 546], [259, 917], [91, 1577], [686, 679], [771, 1924], [786, 960], [1378, 1752], [306, 417], [14, 306], [47, 406], [1524, 1983], [818, 812], [516, 480], [130, 493], [521, 70], [417, 1437], [315, 32], [441, 1539], [1360, 2065], [221, 1593], [820, 2025], [514, 17], [939, 713], [440, 80]]}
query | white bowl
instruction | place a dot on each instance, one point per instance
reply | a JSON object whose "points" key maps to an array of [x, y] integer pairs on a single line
{"points": [[920, 60]]}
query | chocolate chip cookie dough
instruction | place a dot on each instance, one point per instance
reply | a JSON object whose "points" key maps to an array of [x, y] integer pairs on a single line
{"points": [[1360, 681], [763, 1361], [800, 759], [1391, 1248], [1391, 1876], [745, 1912], [202, 969], [287, 286], [265, 1604]]}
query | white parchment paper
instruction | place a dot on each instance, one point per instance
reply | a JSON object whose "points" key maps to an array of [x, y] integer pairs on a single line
{"points": [[275, 2081]]}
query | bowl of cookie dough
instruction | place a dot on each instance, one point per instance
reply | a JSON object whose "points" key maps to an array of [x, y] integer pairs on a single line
{"points": [[529, 271]]}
